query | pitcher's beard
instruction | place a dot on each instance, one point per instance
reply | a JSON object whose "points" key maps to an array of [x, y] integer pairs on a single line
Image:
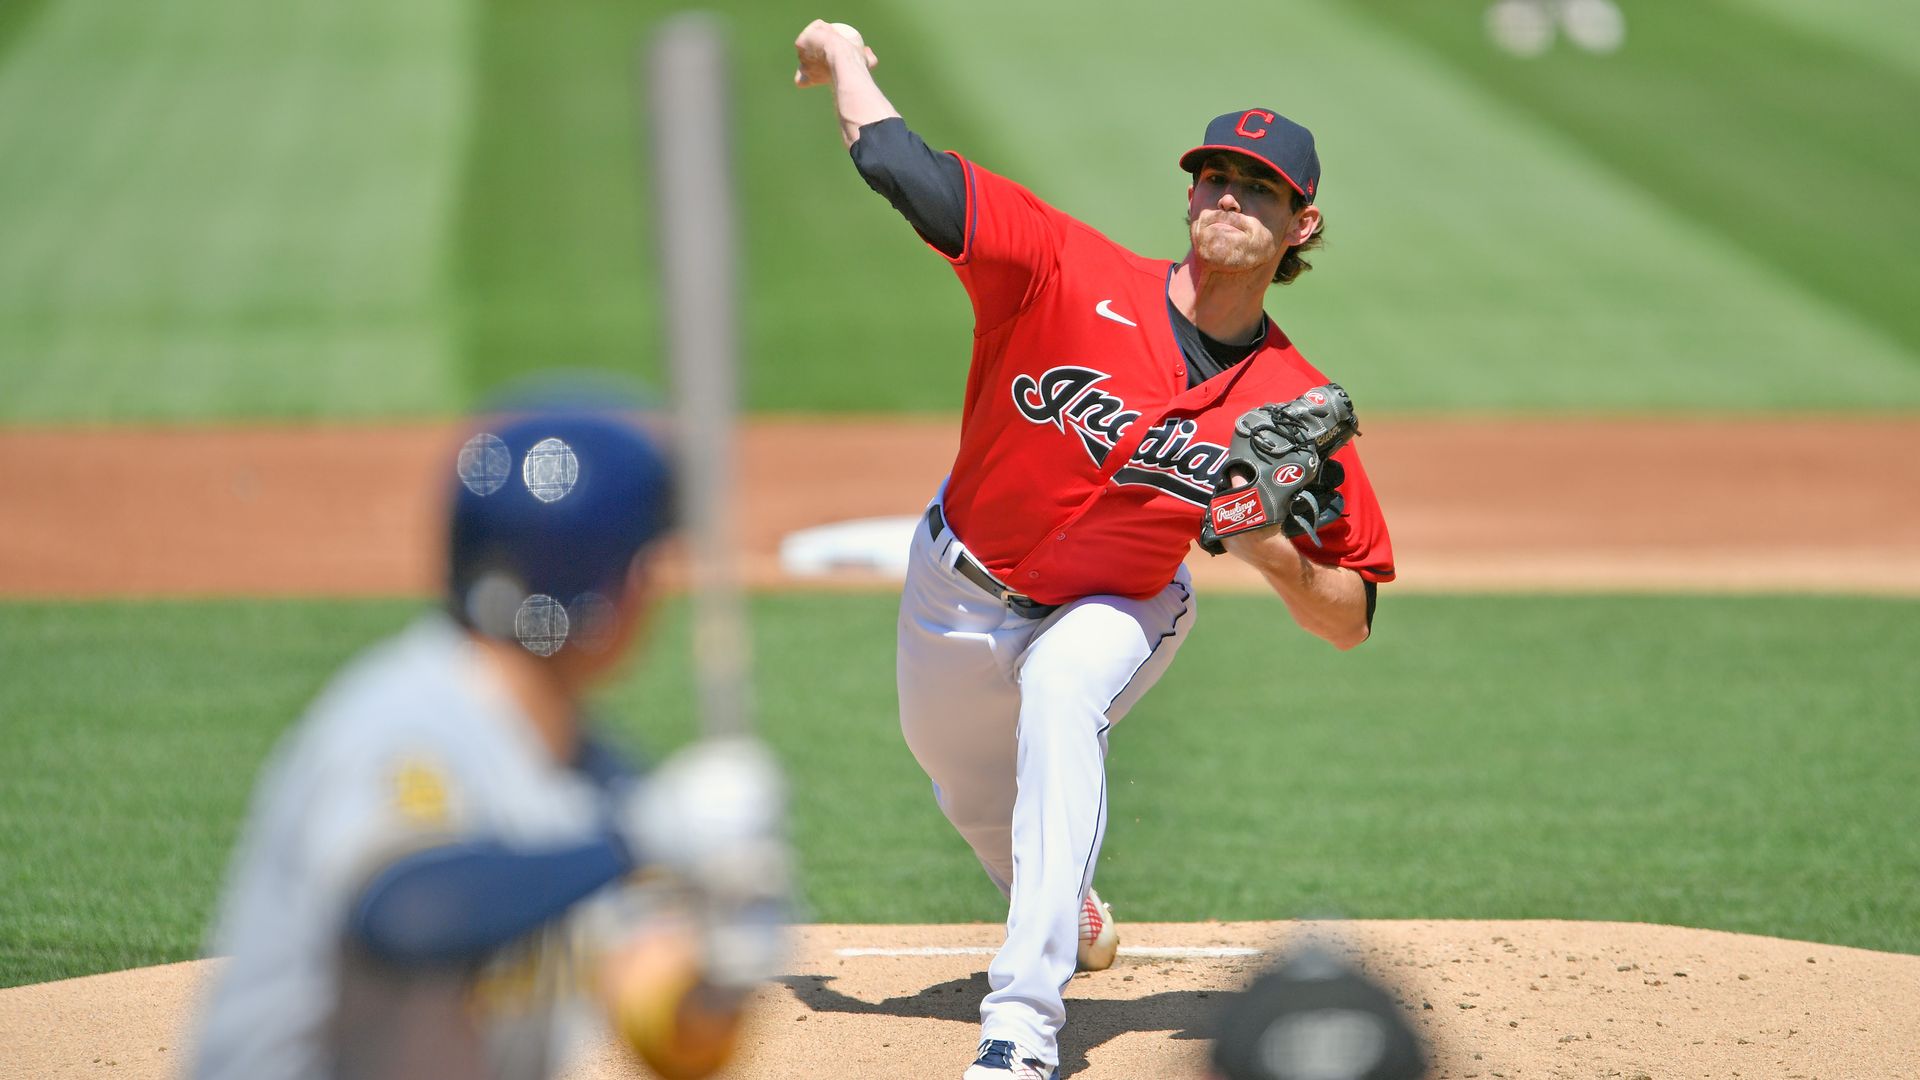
{"points": [[1229, 250]]}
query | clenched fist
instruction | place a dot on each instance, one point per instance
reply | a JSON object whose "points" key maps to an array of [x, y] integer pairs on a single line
{"points": [[821, 46]]}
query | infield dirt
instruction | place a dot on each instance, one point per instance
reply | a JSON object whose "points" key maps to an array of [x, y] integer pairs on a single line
{"points": [[1670, 505]]}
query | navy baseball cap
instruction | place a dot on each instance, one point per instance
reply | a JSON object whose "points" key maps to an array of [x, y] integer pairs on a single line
{"points": [[1266, 137]]}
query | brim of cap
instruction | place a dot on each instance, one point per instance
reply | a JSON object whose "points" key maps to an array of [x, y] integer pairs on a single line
{"points": [[1191, 161]]}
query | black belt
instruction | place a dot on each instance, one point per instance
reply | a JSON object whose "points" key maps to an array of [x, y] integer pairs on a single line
{"points": [[1019, 603]]}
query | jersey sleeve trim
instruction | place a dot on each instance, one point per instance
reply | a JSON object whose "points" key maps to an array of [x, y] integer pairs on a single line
{"points": [[1001, 195], [971, 216], [1378, 573]]}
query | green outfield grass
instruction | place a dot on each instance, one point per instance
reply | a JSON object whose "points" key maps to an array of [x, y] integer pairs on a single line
{"points": [[14, 20], [552, 261], [216, 208], [1737, 122], [1890, 32], [367, 209], [1742, 764]]}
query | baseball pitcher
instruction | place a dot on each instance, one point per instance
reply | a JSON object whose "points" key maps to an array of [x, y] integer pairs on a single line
{"points": [[1118, 409]]}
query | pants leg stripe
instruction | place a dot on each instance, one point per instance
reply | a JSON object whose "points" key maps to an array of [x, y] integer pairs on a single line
{"points": [[1186, 607]]}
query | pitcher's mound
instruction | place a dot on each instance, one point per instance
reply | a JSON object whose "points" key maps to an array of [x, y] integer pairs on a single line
{"points": [[1494, 999]]}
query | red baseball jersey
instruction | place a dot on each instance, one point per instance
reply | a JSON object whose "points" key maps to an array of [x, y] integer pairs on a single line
{"points": [[1085, 461]]}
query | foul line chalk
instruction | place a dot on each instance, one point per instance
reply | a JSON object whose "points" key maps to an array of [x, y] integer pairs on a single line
{"points": [[1218, 952], [1150, 952]]}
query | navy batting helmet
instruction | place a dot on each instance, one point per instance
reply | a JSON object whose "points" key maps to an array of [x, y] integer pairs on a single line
{"points": [[550, 506]]}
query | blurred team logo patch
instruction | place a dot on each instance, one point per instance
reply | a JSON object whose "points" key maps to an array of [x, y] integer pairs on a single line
{"points": [[420, 793], [1242, 511]]}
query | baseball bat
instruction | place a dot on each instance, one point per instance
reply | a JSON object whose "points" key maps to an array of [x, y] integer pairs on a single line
{"points": [[695, 204]]}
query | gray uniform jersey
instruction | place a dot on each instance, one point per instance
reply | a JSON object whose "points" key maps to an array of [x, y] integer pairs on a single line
{"points": [[415, 744]]}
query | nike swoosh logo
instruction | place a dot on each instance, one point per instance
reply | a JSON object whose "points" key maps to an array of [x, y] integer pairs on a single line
{"points": [[1103, 310]]}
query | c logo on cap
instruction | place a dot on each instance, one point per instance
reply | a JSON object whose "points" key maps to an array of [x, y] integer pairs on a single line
{"points": [[1240, 129]]}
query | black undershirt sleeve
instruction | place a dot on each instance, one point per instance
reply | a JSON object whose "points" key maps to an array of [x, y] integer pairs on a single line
{"points": [[927, 187]]}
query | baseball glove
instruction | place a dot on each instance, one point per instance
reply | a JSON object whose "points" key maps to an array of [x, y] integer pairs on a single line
{"points": [[1277, 470]]}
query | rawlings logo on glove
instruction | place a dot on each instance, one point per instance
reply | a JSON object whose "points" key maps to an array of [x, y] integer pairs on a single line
{"points": [[1277, 471], [1233, 513]]}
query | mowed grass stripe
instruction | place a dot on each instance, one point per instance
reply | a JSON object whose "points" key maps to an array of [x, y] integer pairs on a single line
{"points": [[1888, 32], [551, 257], [214, 211], [15, 18], [1478, 256], [220, 208], [1742, 764], [843, 309], [1739, 122], [850, 310]]}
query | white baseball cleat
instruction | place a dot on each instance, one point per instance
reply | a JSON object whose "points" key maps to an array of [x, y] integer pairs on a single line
{"points": [[1099, 940], [1001, 1060]]}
